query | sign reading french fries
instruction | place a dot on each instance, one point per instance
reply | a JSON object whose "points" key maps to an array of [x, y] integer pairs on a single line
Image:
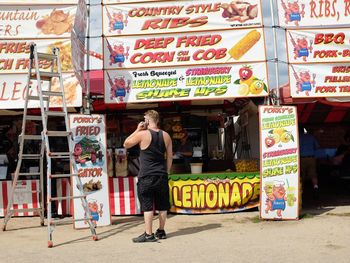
{"points": [[90, 163], [305, 13], [184, 16], [186, 83], [320, 80], [36, 21], [234, 46], [321, 45], [15, 54]]}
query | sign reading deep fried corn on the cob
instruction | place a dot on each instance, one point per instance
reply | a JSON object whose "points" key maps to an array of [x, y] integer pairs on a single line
{"points": [[243, 45], [184, 49]]}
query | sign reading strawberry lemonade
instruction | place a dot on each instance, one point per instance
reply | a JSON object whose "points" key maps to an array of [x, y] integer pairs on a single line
{"points": [[182, 83], [279, 162]]}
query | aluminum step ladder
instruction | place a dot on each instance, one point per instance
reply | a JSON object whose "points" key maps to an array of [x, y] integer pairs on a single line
{"points": [[44, 97]]}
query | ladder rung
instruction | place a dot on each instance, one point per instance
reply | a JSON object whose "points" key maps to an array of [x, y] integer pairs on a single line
{"points": [[57, 133], [46, 56], [62, 175], [45, 75], [67, 220], [28, 174], [31, 156], [55, 113], [52, 93], [59, 154], [33, 118], [37, 98], [21, 191], [67, 197], [32, 137], [23, 210]]}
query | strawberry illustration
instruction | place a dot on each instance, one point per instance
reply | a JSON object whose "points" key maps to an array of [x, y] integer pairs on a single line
{"points": [[245, 73], [269, 142]]}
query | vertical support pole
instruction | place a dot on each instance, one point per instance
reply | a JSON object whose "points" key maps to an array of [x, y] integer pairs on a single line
{"points": [[87, 96], [277, 91]]}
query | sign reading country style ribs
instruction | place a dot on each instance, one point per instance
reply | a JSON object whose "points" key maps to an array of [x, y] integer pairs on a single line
{"points": [[184, 16], [234, 46]]}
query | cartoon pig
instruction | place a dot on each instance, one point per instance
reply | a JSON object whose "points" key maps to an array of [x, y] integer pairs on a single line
{"points": [[120, 88], [302, 48], [117, 22], [304, 82], [118, 55], [293, 13], [95, 212], [276, 200]]}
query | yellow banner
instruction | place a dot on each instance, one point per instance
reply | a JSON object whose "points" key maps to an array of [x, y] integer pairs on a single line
{"points": [[213, 195]]}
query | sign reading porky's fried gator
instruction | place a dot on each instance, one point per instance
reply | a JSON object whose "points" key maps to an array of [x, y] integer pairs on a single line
{"points": [[213, 193]]}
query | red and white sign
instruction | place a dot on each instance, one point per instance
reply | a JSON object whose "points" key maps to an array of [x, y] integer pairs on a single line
{"points": [[36, 21], [231, 46], [279, 162], [186, 83], [319, 80], [90, 162], [23, 198], [305, 13], [321, 45], [184, 16], [15, 54], [13, 90]]}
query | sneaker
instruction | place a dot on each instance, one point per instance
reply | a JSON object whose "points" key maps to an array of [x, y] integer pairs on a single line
{"points": [[160, 234], [144, 238]]}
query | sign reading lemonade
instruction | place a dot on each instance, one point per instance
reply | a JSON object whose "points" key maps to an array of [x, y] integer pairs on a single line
{"points": [[213, 193], [279, 159]]}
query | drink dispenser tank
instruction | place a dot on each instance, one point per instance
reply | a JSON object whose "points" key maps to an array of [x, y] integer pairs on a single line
{"points": [[221, 139]]}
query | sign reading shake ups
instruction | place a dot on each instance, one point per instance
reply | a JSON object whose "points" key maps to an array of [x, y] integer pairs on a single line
{"points": [[89, 150]]}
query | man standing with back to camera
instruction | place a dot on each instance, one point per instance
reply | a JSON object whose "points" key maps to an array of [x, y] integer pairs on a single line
{"points": [[152, 186]]}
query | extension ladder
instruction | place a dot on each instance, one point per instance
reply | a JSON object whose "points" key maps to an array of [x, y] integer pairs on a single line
{"points": [[54, 71]]}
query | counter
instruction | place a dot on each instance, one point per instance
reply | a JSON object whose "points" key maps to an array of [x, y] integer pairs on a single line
{"points": [[189, 194]]}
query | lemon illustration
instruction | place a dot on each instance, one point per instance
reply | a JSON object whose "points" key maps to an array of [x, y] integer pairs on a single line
{"points": [[286, 137], [279, 131], [256, 87], [276, 137], [247, 81], [243, 89]]}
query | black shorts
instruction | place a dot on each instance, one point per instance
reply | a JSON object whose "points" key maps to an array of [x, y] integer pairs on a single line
{"points": [[153, 190]]}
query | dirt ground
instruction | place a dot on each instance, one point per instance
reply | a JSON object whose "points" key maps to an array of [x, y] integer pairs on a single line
{"points": [[321, 235]]}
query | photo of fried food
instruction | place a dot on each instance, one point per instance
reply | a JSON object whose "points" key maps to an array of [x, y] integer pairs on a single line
{"points": [[70, 91], [65, 55], [243, 45], [92, 186], [57, 23]]}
